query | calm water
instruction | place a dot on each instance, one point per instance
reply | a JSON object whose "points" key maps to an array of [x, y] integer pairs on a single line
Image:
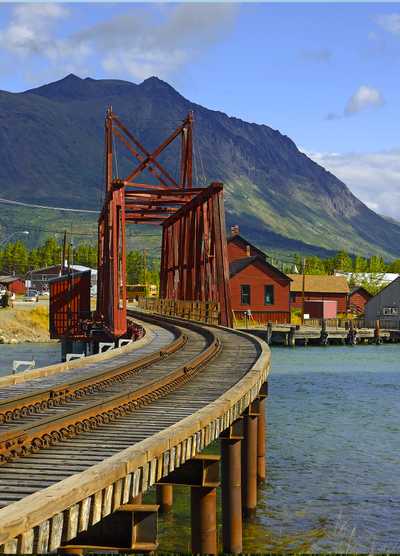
{"points": [[42, 353], [333, 455]]}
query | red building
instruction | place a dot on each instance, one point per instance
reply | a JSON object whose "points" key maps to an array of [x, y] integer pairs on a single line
{"points": [[13, 284], [256, 285], [319, 288], [358, 297]]}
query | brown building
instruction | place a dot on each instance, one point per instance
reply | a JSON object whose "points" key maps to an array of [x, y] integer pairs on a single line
{"points": [[256, 285], [13, 284], [357, 299], [319, 288]]}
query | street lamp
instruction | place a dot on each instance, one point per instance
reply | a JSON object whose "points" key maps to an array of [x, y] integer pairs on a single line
{"points": [[25, 232]]}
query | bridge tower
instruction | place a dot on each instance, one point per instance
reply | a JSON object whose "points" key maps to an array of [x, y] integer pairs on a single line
{"points": [[194, 264]]}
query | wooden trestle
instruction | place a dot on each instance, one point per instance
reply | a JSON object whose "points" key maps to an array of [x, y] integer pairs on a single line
{"points": [[155, 435]]}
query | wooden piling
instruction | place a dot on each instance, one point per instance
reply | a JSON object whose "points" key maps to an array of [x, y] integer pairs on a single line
{"points": [[261, 433], [204, 520], [165, 498], [231, 495], [249, 466]]}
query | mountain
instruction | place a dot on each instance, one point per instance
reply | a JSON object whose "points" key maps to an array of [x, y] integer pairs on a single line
{"points": [[51, 144]]}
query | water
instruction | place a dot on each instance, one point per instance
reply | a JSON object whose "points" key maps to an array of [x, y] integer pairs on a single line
{"points": [[45, 353], [333, 456]]}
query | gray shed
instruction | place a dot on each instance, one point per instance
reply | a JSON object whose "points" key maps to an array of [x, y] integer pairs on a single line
{"points": [[385, 306]]}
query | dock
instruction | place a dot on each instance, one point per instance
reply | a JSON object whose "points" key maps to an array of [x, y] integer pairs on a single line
{"points": [[303, 335]]}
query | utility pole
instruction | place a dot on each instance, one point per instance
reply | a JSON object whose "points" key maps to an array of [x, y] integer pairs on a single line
{"points": [[145, 270], [63, 253], [303, 265]]}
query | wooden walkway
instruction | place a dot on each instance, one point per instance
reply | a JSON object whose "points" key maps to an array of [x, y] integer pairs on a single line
{"points": [[61, 482]]}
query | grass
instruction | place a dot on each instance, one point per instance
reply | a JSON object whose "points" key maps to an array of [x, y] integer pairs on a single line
{"points": [[30, 324]]}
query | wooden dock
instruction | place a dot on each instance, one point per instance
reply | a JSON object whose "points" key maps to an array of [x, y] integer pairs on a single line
{"points": [[292, 335]]}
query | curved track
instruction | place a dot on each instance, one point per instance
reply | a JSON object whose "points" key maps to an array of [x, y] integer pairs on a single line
{"points": [[106, 422]]}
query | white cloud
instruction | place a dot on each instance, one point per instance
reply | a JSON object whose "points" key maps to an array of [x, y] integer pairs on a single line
{"points": [[389, 22], [141, 42], [372, 177], [364, 97], [30, 30]]}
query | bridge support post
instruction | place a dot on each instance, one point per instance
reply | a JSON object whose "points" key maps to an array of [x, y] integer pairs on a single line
{"points": [[231, 483], [165, 497], [201, 473], [261, 434], [203, 502], [249, 461]]}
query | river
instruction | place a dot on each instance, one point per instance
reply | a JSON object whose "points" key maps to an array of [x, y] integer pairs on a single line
{"points": [[333, 452], [333, 456], [45, 353]]}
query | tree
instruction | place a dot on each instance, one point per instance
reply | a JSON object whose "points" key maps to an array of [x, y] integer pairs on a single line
{"points": [[343, 262], [394, 266], [377, 264], [360, 264]]}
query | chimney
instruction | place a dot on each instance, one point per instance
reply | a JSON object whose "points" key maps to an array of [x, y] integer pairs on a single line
{"points": [[248, 254], [234, 230]]}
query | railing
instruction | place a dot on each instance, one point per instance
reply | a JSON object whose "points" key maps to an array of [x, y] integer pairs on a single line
{"points": [[384, 324], [202, 311], [260, 318]]}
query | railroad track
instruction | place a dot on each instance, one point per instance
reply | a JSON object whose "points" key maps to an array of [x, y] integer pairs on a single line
{"points": [[69, 409], [33, 398], [45, 448]]}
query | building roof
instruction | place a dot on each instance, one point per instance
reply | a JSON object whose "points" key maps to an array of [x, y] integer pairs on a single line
{"points": [[360, 289], [9, 279], [318, 283], [56, 268], [243, 241], [240, 264]]}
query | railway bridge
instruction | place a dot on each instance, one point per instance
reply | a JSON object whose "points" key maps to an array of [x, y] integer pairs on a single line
{"points": [[82, 442]]}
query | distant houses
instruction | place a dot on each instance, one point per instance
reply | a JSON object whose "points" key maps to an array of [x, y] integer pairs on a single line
{"points": [[262, 292]]}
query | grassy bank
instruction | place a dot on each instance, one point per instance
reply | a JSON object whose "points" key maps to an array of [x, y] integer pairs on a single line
{"points": [[24, 324]]}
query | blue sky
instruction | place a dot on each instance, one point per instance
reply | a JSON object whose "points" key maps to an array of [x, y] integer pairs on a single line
{"points": [[327, 75]]}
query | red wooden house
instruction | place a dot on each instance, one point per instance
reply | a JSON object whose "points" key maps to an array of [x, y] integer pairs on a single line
{"points": [[319, 288], [13, 284], [256, 285], [357, 299]]}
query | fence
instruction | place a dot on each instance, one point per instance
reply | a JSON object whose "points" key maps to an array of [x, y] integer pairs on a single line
{"points": [[202, 311], [384, 324]]}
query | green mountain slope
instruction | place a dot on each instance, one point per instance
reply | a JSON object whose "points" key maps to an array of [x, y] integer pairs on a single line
{"points": [[51, 144]]}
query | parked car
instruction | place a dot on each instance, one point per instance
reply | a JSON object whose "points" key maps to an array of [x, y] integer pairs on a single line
{"points": [[31, 295]]}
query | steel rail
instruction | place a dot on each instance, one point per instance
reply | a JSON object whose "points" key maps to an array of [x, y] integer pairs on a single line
{"points": [[30, 438], [21, 406]]}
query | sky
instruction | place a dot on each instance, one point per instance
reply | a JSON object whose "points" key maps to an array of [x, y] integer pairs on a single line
{"points": [[325, 74]]}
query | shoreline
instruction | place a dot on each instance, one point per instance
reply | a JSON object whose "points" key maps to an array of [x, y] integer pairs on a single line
{"points": [[27, 323]]}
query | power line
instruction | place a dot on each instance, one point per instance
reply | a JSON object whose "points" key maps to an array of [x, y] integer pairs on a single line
{"points": [[9, 202]]}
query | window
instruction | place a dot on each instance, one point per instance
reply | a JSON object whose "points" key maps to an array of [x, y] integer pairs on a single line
{"points": [[390, 311], [245, 294], [268, 295], [293, 297]]}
